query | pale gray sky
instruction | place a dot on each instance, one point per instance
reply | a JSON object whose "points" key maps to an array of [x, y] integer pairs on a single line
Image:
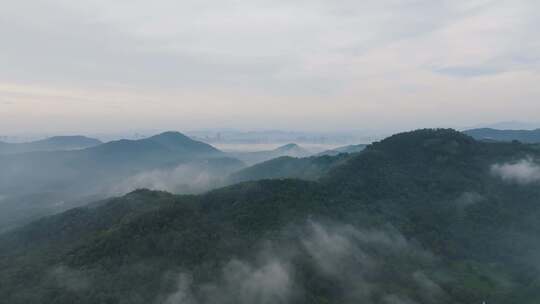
{"points": [[111, 65]]}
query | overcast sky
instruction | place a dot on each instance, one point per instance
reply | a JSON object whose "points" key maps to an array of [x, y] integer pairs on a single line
{"points": [[111, 65]]}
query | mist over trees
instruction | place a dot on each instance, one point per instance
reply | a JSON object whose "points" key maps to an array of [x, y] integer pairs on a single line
{"points": [[428, 216], [39, 183], [289, 183], [56, 177], [56, 143]]}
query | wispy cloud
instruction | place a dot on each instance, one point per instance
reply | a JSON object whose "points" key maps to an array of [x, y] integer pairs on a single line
{"points": [[69, 279], [525, 171], [300, 54], [351, 259]]}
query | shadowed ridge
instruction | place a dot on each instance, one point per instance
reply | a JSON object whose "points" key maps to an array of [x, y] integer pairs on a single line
{"points": [[158, 145], [433, 187], [388, 166], [286, 147], [56, 143], [418, 140], [177, 141], [69, 140]]}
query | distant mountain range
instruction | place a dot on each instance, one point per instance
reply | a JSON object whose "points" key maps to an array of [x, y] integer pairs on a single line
{"points": [[525, 136], [112, 168], [57, 143], [48, 176], [158, 149], [427, 217], [54, 170], [307, 168], [510, 125], [344, 149], [251, 158], [217, 136]]}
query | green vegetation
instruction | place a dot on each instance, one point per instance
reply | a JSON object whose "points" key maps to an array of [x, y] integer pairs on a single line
{"points": [[420, 217], [308, 168], [43, 183], [345, 149], [252, 158]]}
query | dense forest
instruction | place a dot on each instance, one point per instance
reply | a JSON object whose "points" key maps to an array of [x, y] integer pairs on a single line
{"points": [[429, 216]]}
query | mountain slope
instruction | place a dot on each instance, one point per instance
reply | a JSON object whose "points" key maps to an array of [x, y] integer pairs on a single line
{"points": [[291, 150], [344, 149], [178, 142], [56, 143], [430, 216], [164, 146], [308, 168], [61, 169], [430, 176], [107, 169]]}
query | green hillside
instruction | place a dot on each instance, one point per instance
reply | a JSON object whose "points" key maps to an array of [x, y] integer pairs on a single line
{"points": [[253, 158], [308, 168], [430, 216], [345, 149], [43, 183]]}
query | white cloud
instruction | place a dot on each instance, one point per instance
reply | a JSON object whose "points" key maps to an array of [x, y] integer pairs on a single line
{"points": [[184, 178], [69, 279], [351, 259], [338, 62], [522, 172]]}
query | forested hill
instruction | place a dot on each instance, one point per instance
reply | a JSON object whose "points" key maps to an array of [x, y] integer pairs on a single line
{"points": [[252, 158], [307, 168], [89, 168], [430, 216], [42, 183], [345, 149]]}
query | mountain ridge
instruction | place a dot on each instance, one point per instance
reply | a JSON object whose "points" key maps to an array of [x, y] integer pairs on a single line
{"points": [[252, 158], [526, 136], [55, 143], [66, 176], [427, 207]]}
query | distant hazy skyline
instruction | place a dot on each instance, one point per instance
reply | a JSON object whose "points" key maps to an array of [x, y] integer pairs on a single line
{"points": [[109, 66]]}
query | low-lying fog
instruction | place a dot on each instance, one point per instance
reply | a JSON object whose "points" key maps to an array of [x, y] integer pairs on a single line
{"points": [[41, 183], [258, 147]]}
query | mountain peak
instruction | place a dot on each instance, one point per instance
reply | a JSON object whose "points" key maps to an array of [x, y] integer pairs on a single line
{"points": [[423, 138], [160, 144], [177, 141], [292, 149], [291, 146], [429, 133], [170, 135]]}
